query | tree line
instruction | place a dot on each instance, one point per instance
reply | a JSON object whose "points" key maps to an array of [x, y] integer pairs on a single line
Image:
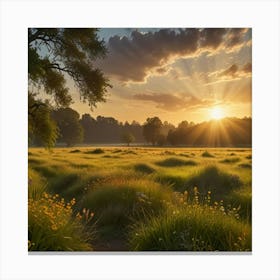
{"points": [[55, 54], [71, 129]]}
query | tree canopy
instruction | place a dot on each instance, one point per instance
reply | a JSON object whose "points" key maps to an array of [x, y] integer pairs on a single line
{"points": [[56, 55], [128, 138], [54, 52], [152, 129], [70, 129]]}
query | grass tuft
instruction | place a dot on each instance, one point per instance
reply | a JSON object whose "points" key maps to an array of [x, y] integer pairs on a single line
{"points": [[96, 151], [207, 154], [173, 161], [245, 165], [230, 160], [212, 179], [144, 168], [75, 151], [194, 228]]}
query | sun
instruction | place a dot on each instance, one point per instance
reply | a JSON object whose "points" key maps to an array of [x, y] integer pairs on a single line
{"points": [[217, 113]]}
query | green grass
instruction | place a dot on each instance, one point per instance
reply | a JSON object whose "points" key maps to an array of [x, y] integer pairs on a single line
{"points": [[213, 179], [193, 228], [173, 162], [121, 201], [137, 190], [144, 168]]}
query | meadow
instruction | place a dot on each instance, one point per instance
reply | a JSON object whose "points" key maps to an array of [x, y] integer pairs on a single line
{"points": [[139, 199]]}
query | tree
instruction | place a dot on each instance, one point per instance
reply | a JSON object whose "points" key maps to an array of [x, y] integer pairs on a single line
{"points": [[152, 129], [55, 54], [42, 129], [88, 124], [128, 138], [70, 129], [161, 140]]}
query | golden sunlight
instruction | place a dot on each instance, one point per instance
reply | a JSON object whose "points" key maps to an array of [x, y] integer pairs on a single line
{"points": [[217, 113]]}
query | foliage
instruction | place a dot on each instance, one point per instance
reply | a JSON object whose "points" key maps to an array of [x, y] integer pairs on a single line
{"points": [[152, 129], [128, 138], [70, 130], [55, 54], [223, 133], [42, 130]]}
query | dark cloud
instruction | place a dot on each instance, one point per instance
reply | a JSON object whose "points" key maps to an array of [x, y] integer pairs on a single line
{"points": [[234, 72], [235, 36], [247, 68], [170, 102], [231, 71], [212, 37], [135, 57]]}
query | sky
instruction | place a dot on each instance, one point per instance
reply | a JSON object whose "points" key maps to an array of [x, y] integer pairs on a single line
{"points": [[191, 74]]}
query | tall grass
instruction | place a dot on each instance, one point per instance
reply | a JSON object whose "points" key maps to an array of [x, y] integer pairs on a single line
{"points": [[212, 178], [194, 228], [52, 223], [122, 201], [145, 197]]}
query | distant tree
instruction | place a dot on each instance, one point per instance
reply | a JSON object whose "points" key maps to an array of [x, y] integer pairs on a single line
{"points": [[184, 125], [56, 52], [88, 124], [161, 140], [70, 129], [166, 127], [128, 138], [152, 129]]}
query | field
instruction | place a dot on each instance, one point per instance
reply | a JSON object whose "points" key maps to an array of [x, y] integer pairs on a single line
{"points": [[139, 199]]}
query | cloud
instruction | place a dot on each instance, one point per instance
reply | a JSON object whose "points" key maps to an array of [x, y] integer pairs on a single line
{"points": [[229, 72], [136, 57], [233, 72], [170, 102], [234, 37], [212, 38]]}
